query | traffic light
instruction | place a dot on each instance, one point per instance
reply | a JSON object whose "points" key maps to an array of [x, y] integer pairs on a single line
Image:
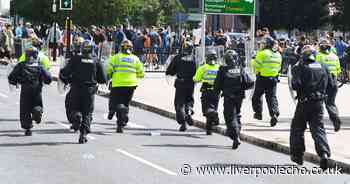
{"points": [[66, 4]]}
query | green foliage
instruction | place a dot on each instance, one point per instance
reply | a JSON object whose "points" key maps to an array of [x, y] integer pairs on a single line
{"points": [[340, 20], [305, 15], [102, 12]]}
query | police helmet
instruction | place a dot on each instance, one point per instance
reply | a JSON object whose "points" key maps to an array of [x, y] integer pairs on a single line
{"points": [[231, 58], [187, 48], [32, 55], [126, 47], [308, 54], [268, 42], [325, 45], [211, 56], [87, 50]]}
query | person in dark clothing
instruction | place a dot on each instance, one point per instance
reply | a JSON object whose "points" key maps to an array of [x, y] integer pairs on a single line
{"points": [[85, 73], [184, 67], [310, 80], [31, 76], [232, 81]]}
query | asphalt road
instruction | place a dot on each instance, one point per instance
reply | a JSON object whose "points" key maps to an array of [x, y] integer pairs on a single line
{"points": [[150, 151]]}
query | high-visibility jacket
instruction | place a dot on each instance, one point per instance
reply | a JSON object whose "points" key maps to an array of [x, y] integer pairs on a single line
{"points": [[330, 60], [206, 74], [43, 60], [268, 63], [125, 70]]}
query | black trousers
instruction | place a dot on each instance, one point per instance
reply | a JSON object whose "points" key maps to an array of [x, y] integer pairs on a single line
{"points": [[30, 98], [330, 103], [267, 86], [83, 101], [232, 115], [121, 96], [68, 105], [310, 112], [183, 102], [210, 100]]}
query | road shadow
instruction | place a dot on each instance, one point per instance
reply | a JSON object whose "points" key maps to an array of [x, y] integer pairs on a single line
{"points": [[169, 135], [4, 119], [36, 144], [194, 146]]}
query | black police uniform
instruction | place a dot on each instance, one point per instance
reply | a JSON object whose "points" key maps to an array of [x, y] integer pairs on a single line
{"points": [[311, 81], [233, 81], [31, 76], [84, 75], [184, 67]]}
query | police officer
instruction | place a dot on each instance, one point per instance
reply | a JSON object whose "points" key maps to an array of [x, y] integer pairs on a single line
{"points": [[207, 74], [331, 60], [125, 70], [31, 76], [232, 81], [310, 80], [184, 67], [84, 73], [42, 58], [267, 66]]}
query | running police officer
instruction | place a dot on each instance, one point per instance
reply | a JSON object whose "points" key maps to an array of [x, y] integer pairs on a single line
{"points": [[84, 72], [310, 80], [207, 74], [125, 70], [331, 60], [232, 81], [267, 66], [184, 67], [31, 76]]}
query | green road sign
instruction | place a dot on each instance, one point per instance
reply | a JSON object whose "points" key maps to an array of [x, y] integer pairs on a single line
{"points": [[66, 4], [236, 7]]}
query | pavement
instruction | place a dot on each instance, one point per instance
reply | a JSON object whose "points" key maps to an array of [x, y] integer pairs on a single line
{"points": [[150, 151]]}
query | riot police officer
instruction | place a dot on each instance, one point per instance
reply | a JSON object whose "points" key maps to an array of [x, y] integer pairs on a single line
{"points": [[207, 74], [125, 70], [267, 66], [84, 73], [184, 67], [310, 80], [31, 76], [331, 60], [232, 80]]}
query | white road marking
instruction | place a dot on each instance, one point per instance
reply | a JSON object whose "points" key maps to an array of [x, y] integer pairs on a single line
{"points": [[129, 125], [68, 127], [3, 95], [88, 156], [162, 169]]}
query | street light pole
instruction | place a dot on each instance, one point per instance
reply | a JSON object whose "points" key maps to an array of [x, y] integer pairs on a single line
{"points": [[54, 11]]}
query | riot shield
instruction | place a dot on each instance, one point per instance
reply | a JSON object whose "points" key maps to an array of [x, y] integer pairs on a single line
{"points": [[292, 93], [198, 54]]}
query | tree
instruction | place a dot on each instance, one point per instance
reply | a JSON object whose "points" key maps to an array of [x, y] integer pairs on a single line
{"points": [[340, 19]]}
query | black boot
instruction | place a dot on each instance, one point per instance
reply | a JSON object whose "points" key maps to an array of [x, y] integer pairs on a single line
{"points": [[28, 132], [298, 159], [324, 162], [236, 143], [119, 129], [37, 114], [258, 116], [110, 115], [209, 127], [183, 127], [82, 137], [337, 124], [273, 121], [189, 120]]}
